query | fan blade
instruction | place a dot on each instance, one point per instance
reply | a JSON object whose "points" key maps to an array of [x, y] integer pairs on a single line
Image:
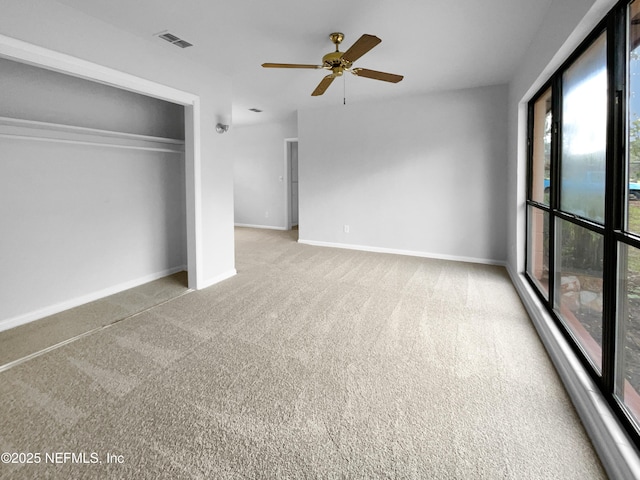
{"points": [[289, 65], [385, 77], [365, 43], [323, 85]]}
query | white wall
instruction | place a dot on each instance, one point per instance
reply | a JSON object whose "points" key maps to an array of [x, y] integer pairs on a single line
{"points": [[62, 29], [37, 94], [423, 175], [259, 173], [80, 220]]}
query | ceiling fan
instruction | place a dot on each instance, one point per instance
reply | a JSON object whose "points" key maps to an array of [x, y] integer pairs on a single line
{"points": [[339, 62]]}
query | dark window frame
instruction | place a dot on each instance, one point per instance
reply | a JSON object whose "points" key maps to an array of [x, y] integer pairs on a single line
{"points": [[614, 25]]}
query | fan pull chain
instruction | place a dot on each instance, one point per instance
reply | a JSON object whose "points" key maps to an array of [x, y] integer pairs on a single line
{"points": [[344, 89]]}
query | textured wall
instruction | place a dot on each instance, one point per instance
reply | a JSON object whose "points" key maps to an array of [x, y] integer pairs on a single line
{"points": [[81, 219], [259, 173], [34, 93], [425, 175]]}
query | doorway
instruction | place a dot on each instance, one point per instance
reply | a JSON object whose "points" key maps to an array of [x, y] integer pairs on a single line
{"points": [[292, 189]]}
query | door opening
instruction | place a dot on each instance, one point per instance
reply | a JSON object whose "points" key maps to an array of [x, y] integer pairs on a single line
{"points": [[291, 189], [293, 182]]}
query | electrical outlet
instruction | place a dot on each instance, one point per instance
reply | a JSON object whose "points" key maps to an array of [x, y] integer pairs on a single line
{"points": [[346, 229]]}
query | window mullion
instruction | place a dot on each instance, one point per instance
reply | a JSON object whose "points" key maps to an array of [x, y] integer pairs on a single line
{"points": [[554, 200]]}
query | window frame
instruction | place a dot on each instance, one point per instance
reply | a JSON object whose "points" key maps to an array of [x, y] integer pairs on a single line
{"points": [[614, 25]]}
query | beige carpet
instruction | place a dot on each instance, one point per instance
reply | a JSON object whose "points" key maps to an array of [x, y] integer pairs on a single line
{"points": [[310, 363], [33, 337]]}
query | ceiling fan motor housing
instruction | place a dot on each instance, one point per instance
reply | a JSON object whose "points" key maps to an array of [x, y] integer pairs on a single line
{"points": [[333, 61]]}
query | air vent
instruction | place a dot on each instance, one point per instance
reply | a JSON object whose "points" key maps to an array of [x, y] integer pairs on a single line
{"points": [[257, 110], [171, 38], [168, 37], [183, 44]]}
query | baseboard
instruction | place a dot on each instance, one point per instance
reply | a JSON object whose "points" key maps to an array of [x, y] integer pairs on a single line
{"points": [[267, 227], [81, 300], [218, 279], [410, 253], [617, 452]]}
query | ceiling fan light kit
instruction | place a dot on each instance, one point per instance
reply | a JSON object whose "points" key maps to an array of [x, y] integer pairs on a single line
{"points": [[339, 62]]}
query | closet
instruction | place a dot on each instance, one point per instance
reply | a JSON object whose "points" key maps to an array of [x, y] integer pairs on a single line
{"points": [[92, 191]]}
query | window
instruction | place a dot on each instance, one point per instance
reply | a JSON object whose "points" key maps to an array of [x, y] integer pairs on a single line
{"points": [[578, 293], [584, 132], [583, 205], [541, 160], [627, 383], [627, 380], [538, 248], [538, 217]]}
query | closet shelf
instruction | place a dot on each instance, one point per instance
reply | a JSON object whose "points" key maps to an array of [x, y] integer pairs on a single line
{"points": [[31, 130]]}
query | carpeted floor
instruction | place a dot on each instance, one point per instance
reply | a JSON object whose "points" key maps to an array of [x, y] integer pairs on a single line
{"points": [[25, 340], [310, 363]]}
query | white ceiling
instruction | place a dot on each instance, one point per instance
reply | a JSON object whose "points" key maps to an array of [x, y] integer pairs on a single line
{"points": [[435, 44]]}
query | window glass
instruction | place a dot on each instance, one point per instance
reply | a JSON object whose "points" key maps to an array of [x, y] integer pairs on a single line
{"points": [[538, 248], [584, 133], [578, 285], [628, 343], [541, 160], [633, 122]]}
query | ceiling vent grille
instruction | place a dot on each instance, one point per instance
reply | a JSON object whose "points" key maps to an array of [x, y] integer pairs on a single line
{"points": [[175, 40], [183, 44]]}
